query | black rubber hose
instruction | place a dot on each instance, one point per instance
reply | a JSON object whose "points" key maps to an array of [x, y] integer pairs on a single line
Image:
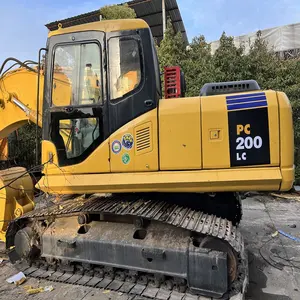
{"points": [[27, 62], [17, 61], [8, 69], [30, 62]]}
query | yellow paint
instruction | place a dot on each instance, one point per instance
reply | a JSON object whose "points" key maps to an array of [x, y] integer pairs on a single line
{"points": [[273, 127], [128, 82], [193, 135], [182, 146], [180, 149], [103, 160], [214, 118], [3, 149], [286, 142], [143, 136], [61, 89], [240, 128], [179, 134], [97, 162], [17, 85], [105, 26], [215, 134], [20, 84], [216, 153], [238, 179], [15, 199], [140, 160]]}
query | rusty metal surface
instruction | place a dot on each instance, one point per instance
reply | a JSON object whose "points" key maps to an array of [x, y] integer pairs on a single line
{"points": [[266, 282], [167, 213]]}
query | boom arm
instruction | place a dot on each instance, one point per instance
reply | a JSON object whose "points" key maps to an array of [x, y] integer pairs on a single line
{"points": [[3, 149], [17, 106], [18, 100]]}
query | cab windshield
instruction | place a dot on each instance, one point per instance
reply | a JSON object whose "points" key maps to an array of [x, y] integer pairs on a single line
{"points": [[77, 75]]}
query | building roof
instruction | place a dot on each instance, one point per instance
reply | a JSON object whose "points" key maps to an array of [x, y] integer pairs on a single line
{"points": [[151, 12], [148, 10], [89, 17]]}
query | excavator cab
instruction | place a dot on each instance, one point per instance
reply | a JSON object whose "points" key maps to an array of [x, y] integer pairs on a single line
{"points": [[110, 79]]}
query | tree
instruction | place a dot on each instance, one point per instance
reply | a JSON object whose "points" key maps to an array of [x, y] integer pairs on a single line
{"points": [[172, 50], [288, 80], [262, 64], [111, 12], [22, 145], [229, 61], [198, 65]]}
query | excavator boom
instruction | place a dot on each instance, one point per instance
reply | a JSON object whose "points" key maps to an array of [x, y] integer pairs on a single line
{"points": [[18, 100], [17, 107], [3, 149]]}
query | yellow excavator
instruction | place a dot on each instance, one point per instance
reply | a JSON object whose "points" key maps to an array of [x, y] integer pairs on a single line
{"points": [[146, 189]]}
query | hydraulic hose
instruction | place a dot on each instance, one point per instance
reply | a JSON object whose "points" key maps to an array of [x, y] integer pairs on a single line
{"points": [[18, 62]]}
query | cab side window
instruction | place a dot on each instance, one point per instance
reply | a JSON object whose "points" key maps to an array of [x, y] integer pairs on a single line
{"points": [[125, 70]]}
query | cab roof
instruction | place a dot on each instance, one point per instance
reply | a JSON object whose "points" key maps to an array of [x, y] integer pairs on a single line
{"points": [[105, 26]]}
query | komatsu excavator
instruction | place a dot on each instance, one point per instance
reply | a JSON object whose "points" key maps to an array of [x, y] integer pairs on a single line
{"points": [[147, 188]]}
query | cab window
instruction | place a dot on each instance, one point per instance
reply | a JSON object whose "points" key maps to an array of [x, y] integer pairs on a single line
{"points": [[77, 75], [77, 135], [124, 66]]}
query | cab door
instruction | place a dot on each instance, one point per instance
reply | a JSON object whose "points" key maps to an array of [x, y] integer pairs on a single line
{"points": [[133, 93], [75, 103]]}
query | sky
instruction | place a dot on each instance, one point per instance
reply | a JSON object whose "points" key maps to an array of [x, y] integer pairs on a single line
{"points": [[23, 32]]}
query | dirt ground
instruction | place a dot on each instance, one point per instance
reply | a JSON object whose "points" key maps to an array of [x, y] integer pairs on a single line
{"points": [[274, 262]]}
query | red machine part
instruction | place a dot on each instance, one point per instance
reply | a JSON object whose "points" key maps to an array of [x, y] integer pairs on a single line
{"points": [[172, 82]]}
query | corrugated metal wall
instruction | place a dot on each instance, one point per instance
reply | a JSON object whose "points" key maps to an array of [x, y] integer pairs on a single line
{"points": [[279, 39]]}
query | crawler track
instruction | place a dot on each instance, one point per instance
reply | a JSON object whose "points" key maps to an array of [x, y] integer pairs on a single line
{"points": [[167, 213]]}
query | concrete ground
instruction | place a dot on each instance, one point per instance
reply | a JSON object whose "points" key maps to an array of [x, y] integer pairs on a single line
{"points": [[274, 262]]}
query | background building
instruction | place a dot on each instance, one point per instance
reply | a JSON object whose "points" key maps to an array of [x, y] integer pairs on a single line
{"points": [[283, 40]]}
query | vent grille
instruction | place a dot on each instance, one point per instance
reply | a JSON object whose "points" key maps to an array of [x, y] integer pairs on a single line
{"points": [[143, 140], [220, 88]]}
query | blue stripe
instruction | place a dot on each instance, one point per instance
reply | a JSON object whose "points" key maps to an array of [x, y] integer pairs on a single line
{"points": [[247, 105], [244, 96], [242, 100]]}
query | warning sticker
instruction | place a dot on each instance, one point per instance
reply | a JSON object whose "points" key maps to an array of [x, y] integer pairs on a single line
{"points": [[125, 158], [116, 147], [127, 141]]}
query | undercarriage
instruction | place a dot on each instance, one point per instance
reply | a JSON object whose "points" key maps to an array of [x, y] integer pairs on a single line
{"points": [[133, 245]]}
